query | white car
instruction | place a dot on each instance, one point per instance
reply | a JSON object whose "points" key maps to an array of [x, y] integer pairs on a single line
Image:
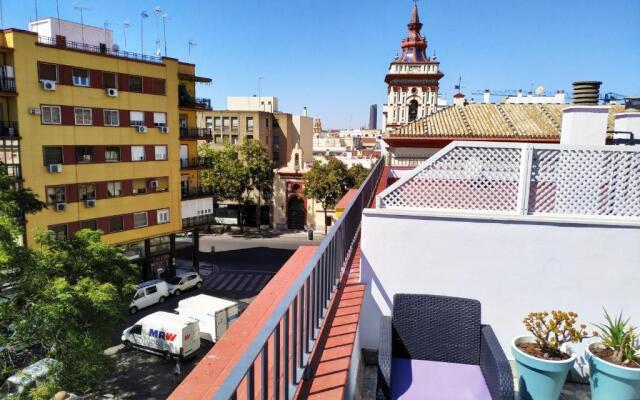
{"points": [[184, 281], [149, 293]]}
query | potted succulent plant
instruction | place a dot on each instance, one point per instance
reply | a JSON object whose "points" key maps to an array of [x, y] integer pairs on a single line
{"points": [[541, 360], [614, 360]]}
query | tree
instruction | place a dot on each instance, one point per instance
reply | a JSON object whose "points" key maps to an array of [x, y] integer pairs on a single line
{"points": [[69, 294], [326, 183], [357, 174], [260, 172], [226, 176]]}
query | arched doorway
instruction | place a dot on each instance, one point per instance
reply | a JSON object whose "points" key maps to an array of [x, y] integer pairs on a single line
{"points": [[413, 110], [295, 213]]}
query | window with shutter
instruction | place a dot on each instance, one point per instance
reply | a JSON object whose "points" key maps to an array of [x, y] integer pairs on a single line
{"points": [[50, 115], [47, 72], [140, 219], [136, 118], [111, 118], [80, 77], [137, 153], [82, 116], [135, 83], [159, 119], [109, 80]]}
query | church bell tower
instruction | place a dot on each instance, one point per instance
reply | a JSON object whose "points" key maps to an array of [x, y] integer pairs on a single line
{"points": [[412, 80]]}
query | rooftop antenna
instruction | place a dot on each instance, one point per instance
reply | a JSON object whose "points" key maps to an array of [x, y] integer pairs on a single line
{"points": [[82, 10], [106, 25], [164, 31], [190, 44], [1, 16], [260, 78], [125, 25], [158, 13], [459, 85], [37, 25], [58, 13], [143, 15]]}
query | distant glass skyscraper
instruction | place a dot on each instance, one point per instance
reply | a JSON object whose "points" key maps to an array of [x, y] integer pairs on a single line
{"points": [[373, 116]]}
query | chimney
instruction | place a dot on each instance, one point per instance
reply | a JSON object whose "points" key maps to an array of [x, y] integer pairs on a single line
{"points": [[626, 128], [458, 99], [584, 125], [305, 112], [586, 92], [487, 96]]}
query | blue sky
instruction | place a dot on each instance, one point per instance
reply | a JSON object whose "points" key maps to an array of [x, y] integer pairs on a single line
{"points": [[332, 55]]}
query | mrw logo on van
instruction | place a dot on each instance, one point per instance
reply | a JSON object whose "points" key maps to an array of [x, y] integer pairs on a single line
{"points": [[169, 337]]}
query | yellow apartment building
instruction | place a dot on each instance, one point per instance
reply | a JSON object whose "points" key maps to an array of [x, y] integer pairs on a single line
{"points": [[96, 133]]}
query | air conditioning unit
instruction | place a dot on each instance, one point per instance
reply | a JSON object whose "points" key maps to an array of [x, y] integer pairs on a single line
{"points": [[153, 184], [61, 206], [90, 203], [57, 168], [48, 85], [112, 92], [164, 129], [34, 111], [141, 128]]}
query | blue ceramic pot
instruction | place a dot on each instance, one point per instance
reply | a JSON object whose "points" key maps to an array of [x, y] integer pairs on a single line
{"points": [[611, 381], [540, 379]]}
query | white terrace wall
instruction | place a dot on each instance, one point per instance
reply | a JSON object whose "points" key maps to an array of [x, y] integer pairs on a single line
{"points": [[513, 266]]}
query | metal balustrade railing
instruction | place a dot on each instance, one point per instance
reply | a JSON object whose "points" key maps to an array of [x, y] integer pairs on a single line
{"points": [[196, 133], [101, 49], [7, 84], [9, 129], [194, 162], [295, 322]]}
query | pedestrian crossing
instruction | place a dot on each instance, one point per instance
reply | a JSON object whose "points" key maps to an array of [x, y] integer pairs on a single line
{"points": [[238, 281]]}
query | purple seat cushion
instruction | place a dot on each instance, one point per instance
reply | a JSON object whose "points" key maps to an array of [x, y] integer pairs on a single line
{"points": [[418, 379]]}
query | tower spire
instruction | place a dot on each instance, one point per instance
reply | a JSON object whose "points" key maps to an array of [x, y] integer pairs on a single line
{"points": [[414, 45]]}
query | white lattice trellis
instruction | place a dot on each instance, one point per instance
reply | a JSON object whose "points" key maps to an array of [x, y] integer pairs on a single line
{"points": [[523, 179]]}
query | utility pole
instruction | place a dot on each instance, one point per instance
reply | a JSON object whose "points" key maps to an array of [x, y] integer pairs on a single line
{"points": [[143, 15], [106, 24], [81, 9]]}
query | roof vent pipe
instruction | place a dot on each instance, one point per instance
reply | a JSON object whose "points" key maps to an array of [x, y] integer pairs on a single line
{"points": [[586, 93]]}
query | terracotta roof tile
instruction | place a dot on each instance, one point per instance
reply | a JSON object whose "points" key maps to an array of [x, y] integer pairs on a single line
{"points": [[479, 120]]}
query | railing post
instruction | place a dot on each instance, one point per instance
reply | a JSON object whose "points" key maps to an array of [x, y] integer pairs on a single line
{"points": [[524, 182]]}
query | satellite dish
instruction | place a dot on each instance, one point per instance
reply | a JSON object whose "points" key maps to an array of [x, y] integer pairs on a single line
{"points": [[539, 90], [115, 47]]}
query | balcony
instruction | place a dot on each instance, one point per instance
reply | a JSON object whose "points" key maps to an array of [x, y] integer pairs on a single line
{"points": [[7, 86], [196, 134], [187, 101], [9, 129], [61, 43], [195, 192], [287, 316], [194, 163], [518, 227]]}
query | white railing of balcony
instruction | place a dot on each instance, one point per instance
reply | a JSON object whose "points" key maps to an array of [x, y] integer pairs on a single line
{"points": [[524, 179]]}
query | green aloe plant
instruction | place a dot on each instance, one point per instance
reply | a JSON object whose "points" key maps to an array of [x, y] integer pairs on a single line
{"points": [[621, 338]]}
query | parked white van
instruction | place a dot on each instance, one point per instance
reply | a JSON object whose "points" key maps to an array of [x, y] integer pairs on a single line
{"points": [[167, 334], [149, 293], [214, 315]]}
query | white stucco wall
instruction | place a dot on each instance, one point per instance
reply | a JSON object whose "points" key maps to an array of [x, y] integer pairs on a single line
{"points": [[73, 31], [512, 266]]}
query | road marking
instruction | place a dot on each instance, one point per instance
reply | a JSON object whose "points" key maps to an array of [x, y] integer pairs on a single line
{"points": [[232, 284], [264, 281], [224, 283], [214, 282], [244, 282]]}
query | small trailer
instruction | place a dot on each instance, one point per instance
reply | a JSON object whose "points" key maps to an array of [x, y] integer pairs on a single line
{"points": [[214, 314]]}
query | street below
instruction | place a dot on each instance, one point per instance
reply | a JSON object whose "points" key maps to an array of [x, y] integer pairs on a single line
{"points": [[240, 266]]}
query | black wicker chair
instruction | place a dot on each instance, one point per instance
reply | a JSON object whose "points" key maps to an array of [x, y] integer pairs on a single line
{"points": [[440, 329]]}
